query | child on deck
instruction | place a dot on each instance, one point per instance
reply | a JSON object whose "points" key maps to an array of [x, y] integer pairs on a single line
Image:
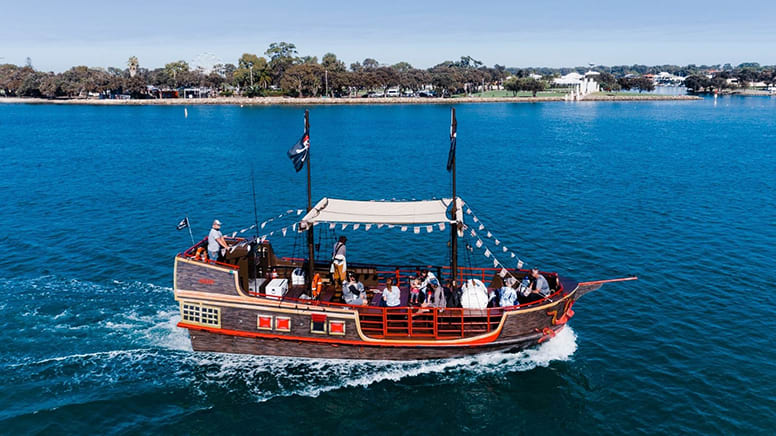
{"points": [[415, 291]]}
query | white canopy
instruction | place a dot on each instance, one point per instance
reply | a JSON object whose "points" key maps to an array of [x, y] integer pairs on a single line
{"points": [[334, 210]]}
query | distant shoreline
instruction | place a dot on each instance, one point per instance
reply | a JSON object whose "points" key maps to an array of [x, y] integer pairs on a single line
{"points": [[271, 101]]}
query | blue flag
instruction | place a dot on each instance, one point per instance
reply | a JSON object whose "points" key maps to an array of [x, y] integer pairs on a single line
{"points": [[299, 151]]}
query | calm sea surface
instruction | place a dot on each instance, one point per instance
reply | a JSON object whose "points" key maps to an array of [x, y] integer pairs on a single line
{"points": [[683, 194]]}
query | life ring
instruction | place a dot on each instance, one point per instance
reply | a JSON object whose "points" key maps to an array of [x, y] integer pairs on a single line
{"points": [[315, 289]]}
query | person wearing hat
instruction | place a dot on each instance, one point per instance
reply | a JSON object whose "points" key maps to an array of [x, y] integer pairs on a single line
{"points": [[215, 241], [339, 265]]}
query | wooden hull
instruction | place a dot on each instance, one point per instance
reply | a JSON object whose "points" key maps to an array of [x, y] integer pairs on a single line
{"points": [[222, 317], [221, 343]]}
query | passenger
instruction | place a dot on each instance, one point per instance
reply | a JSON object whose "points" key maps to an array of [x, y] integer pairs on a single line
{"points": [[436, 296], [339, 265], [415, 291], [507, 293], [215, 241], [391, 294], [427, 277], [353, 291], [539, 288]]}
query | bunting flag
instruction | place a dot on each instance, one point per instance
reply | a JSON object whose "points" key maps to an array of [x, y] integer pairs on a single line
{"points": [[332, 226], [416, 230], [473, 233], [380, 226], [284, 230], [487, 253], [299, 211], [502, 273], [293, 227], [403, 228], [497, 242], [441, 226], [512, 255], [453, 134], [429, 229], [475, 219], [468, 211], [390, 226], [356, 226], [481, 227], [489, 235], [478, 243], [344, 226], [495, 263], [519, 264], [299, 152], [263, 224], [504, 249], [367, 227]]}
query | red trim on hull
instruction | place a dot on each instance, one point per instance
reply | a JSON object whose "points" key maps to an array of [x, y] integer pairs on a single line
{"points": [[228, 332]]}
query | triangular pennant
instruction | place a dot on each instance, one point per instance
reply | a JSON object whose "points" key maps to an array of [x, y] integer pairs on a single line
{"points": [[429, 229], [284, 230], [416, 230], [290, 211], [332, 226], [441, 226], [403, 228], [390, 226], [263, 224], [478, 243], [497, 242], [468, 211], [495, 263], [487, 253], [475, 219], [519, 264], [271, 233], [367, 227], [502, 273], [293, 227], [512, 255], [356, 226], [380, 226], [344, 226], [481, 227], [299, 211], [473, 233], [490, 235], [504, 249]]}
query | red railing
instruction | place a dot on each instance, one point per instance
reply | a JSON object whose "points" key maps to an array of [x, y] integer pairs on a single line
{"points": [[427, 322]]}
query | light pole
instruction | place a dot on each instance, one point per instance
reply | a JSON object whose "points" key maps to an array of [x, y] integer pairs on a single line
{"points": [[326, 78], [250, 67]]}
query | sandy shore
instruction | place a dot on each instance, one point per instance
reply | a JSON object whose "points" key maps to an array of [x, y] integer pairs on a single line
{"points": [[266, 101]]}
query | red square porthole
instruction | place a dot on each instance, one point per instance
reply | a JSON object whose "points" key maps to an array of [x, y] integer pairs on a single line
{"points": [[336, 327], [318, 323], [282, 324], [265, 322]]}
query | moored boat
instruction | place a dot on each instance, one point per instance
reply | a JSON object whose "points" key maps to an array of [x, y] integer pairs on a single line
{"points": [[253, 301]]}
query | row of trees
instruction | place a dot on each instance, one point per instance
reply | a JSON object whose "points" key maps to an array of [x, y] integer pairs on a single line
{"points": [[282, 71]]}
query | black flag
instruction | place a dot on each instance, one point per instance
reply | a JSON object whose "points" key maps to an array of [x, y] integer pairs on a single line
{"points": [[453, 128], [183, 224], [298, 152]]}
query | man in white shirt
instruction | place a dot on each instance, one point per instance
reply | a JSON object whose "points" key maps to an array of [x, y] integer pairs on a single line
{"points": [[215, 241]]}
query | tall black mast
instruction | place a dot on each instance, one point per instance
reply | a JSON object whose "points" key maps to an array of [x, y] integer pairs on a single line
{"points": [[310, 238], [454, 229]]}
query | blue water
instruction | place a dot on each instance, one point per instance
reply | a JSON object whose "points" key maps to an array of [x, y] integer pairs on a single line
{"points": [[680, 193]]}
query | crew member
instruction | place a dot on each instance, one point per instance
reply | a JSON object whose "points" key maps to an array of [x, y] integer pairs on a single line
{"points": [[339, 265], [215, 241]]}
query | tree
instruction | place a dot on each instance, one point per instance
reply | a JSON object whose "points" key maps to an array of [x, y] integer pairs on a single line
{"points": [[133, 65], [370, 64], [302, 79], [330, 63], [531, 85], [174, 69], [252, 70], [511, 84], [282, 55]]}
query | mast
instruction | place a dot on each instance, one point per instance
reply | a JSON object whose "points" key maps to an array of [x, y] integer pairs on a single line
{"points": [[310, 238], [454, 227]]}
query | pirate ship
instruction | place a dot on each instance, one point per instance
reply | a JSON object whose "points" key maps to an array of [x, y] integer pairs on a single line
{"points": [[253, 301]]}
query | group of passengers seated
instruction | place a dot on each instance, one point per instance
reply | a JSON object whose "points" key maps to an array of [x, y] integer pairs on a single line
{"points": [[533, 287]]}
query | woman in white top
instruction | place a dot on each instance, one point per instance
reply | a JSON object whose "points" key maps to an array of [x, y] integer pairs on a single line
{"points": [[391, 294]]}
